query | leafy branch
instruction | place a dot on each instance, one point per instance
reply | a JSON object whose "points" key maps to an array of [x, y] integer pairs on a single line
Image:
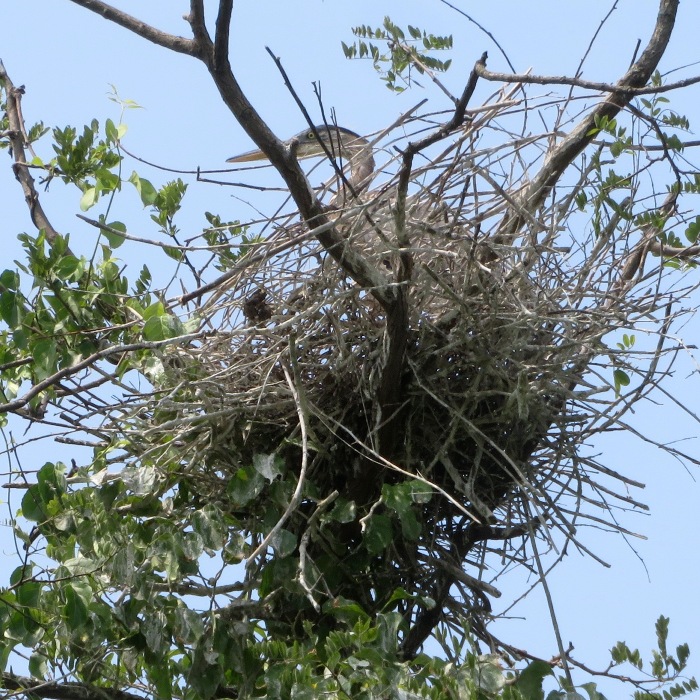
{"points": [[404, 55]]}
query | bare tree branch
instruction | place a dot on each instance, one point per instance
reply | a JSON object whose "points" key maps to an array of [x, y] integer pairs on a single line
{"points": [[562, 155], [528, 78], [17, 137], [199, 27], [390, 393], [216, 60], [85, 364], [223, 26], [63, 691], [169, 41]]}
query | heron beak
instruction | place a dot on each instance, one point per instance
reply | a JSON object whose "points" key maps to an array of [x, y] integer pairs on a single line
{"points": [[247, 157]]}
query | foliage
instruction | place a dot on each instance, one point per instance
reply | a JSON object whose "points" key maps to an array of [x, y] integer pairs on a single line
{"points": [[135, 543], [404, 56]]}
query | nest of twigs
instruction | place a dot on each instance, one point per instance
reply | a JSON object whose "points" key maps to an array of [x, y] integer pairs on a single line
{"points": [[494, 386]]}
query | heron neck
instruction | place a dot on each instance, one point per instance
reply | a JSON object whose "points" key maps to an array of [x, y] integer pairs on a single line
{"points": [[361, 160]]}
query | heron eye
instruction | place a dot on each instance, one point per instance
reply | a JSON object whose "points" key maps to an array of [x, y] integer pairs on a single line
{"points": [[310, 136]]}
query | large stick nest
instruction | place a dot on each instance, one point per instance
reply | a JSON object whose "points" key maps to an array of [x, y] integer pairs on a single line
{"points": [[499, 383]]}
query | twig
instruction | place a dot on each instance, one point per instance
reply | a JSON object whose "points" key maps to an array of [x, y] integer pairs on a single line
{"points": [[88, 362], [548, 596], [562, 155], [64, 690], [615, 89], [304, 544], [294, 387]]}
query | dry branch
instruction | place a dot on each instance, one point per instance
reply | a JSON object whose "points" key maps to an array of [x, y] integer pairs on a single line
{"points": [[562, 155], [18, 141], [62, 690]]}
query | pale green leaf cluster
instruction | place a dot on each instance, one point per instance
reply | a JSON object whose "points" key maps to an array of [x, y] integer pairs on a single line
{"points": [[402, 55]]}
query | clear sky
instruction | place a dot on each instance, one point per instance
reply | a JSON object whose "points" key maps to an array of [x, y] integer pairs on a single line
{"points": [[67, 58]]}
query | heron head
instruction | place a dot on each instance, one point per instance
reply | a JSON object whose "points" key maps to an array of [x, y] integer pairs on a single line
{"points": [[306, 144]]}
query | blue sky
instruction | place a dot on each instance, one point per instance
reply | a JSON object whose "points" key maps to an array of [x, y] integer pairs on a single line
{"points": [[68, 58]]}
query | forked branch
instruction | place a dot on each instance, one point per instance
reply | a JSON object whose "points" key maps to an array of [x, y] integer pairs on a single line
{"points": [[215, 56], [564, 153]]}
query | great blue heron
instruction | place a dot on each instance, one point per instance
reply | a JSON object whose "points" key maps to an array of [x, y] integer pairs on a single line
{"points": [[361, 216], [367, 218], [335, 141], [375, 216]]}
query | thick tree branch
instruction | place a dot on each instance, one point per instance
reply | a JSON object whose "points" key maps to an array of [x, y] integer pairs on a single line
{"points": [[16, 136], [199, 27], [215, 57], [223, 25], [63, 691], [636, 77], [169, 41], [390, 393], [311, 209]]}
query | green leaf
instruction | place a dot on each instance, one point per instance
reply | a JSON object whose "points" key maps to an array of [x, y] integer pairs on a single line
{"points": [[114, 239], [174, 253], [379, 534], [32, 505], [284, 542], [693, 231], [490, 674], [144, 188], [11, 309], [344, 511], [154, 626], [621, 378], [75, 610], [345, 610], [154, 310], [188, 625], [90, 196], [389, 625], [110, 130], [38, 667], [400, 498], [414, 32], [162, 328], [69, 268], [28, 594], [162, 678], [205, 675], [592, 690], [45, 356], [530, 680], [662, 632], [210, 524], [114, 133], [245, 485], [10, 279]]}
